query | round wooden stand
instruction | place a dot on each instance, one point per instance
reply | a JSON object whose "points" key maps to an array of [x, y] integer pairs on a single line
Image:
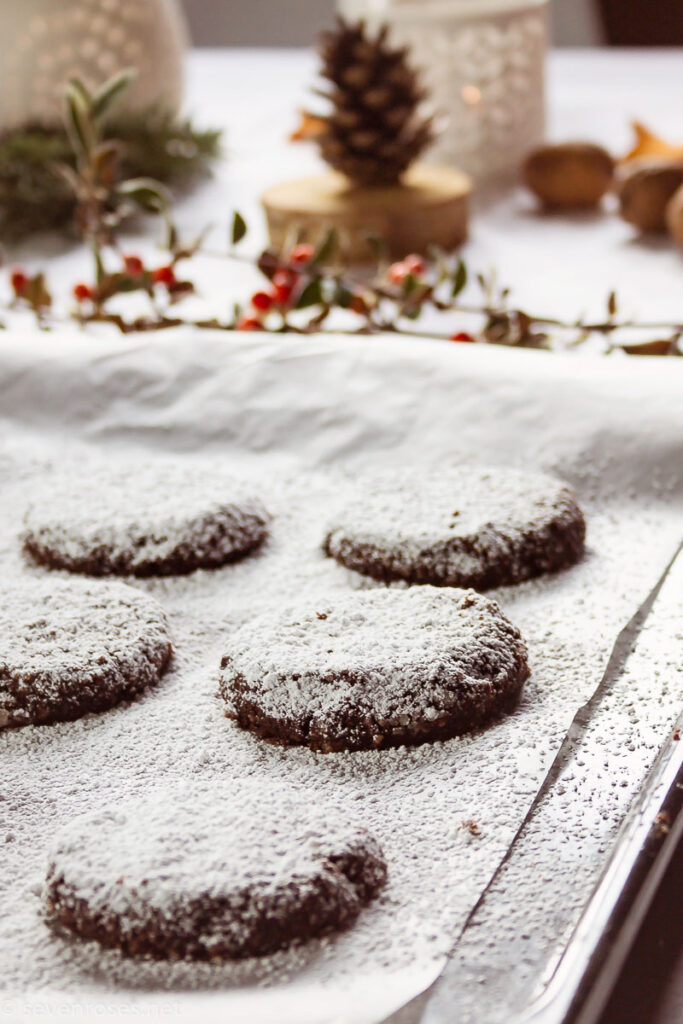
{"points": [[428, 207]]}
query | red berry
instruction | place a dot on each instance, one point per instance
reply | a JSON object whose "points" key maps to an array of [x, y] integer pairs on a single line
{"points": [[82, 292], [283, 285], [415, 264], [249, 323], [284, 277], [302, 253], [263, 301], [462, 336], [133, 266], [282, 294], [19, 280], [164, 275], [398, 272]]}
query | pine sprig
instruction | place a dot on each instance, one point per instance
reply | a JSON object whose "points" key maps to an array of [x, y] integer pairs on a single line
{"points": [[33, 198]]}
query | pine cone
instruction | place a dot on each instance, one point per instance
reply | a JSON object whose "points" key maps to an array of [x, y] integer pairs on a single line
{"points": [[374, 131]]}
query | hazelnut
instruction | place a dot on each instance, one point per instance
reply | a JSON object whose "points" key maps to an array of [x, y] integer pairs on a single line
{"points": [[644, 194], [570, 174], [674, 216]]}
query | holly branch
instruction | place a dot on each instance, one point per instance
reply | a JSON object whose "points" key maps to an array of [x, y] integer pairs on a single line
{"points": [[303, 291]]}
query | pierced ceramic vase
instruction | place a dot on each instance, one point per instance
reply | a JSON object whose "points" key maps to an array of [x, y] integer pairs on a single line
{"points": [[45, 42], [483, 61]]}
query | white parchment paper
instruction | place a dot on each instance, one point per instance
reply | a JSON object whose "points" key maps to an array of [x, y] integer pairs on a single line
{"points": [[298, 415]]}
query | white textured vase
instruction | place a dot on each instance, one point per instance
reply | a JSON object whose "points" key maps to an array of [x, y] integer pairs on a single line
{"points": [[45, 42], [484, 63]]}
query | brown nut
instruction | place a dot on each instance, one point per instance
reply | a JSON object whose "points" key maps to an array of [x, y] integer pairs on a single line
{"points": [[571, 175], [644, 194], [674, 216]]}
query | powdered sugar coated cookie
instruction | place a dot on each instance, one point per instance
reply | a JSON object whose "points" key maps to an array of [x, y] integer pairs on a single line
{"points": [[211, 872], [71, 646], [466, 527], [376, 668], [160, 522]]}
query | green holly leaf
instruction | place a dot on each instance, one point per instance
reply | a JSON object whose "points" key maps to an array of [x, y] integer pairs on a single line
{"points": [[312, 295], [79, 122], [239, 228], [77, 86], [170, 236], [343, 296], [105, 97], [459, 279], [100, 272], [325, 250], [410, 283], [146, 193], [268, 263]]}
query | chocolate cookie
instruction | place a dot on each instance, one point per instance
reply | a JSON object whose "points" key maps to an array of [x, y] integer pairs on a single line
{"points": [[467, 527], [160, 523], [72, 646], [212, 873], [374, 668]]}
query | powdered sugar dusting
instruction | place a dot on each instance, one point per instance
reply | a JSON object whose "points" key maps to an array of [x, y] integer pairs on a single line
{"points": [[72, 646], [117, 522], [374, 669], [413, 799]]}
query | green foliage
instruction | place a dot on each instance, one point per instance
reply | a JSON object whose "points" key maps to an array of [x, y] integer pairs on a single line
{"points": [[459, 279], [105, 97], [147, 193], [326, 249], [311, 295], [34, 197], [239, 228], [87, 175]]}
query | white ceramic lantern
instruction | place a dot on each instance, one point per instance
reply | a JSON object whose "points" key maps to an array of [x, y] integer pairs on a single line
{"points": [[45, 42], [484, 62]]}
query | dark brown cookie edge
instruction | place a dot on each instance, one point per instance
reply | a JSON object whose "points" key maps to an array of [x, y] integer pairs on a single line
{"points": [[102, 562], [99, 696], [346, 883], [535, 554], [364, 732]]}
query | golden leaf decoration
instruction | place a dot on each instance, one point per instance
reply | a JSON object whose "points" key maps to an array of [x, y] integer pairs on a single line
{"points": [[309, 127], [649, 146]]}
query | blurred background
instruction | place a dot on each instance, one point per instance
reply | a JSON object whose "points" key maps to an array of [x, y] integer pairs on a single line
{"points": [[295, 22]]}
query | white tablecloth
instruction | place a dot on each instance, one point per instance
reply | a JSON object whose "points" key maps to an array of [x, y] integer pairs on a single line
{"points": [[555, 265]]}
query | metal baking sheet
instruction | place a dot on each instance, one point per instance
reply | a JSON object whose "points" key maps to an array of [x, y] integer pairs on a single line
{"points": [[580, 893], [605, 426]]}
